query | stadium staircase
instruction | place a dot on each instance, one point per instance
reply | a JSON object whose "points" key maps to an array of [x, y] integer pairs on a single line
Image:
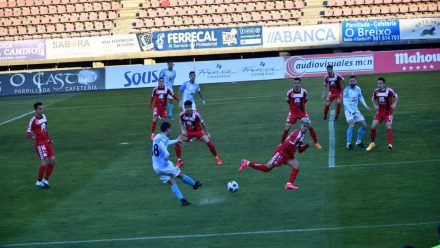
{"points": [[127, 16], [311, 12]]}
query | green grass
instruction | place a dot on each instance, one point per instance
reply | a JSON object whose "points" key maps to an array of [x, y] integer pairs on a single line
{"points": [[104, 190]]}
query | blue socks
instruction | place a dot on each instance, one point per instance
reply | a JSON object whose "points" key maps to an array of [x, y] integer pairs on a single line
{"points": [[170, 109], [188, 180], [349, 134], [361, 133], [176, 191]]}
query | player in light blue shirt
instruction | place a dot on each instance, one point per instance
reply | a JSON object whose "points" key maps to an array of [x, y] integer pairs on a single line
{"points": [[189, 89], [351, 96], [169, 74], [164, 168]]}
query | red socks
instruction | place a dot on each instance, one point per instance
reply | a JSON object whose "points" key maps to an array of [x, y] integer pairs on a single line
{"points": [[326, 111], [373, 135], [41, 172], [257, 166], [178, 151], [390, 136], [338, 110], [48, 171], [313, 134], [212, 148], [153, 127], [284, 136], [293, 174]]}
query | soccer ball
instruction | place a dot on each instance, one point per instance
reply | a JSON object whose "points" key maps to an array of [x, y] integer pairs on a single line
{"points": [[232, 186]]}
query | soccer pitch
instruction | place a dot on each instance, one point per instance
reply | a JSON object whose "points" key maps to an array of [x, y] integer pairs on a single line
{"points": [[104, 192]]}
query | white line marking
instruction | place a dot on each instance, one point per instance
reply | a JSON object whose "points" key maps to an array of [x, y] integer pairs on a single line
{"points": [[331, 138], [319, 229], [123, 143], [389, 163], [16, 118]]}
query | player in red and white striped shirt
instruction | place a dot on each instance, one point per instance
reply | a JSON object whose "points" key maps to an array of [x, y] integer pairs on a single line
{"points": [[383, 98], [159, 97], [334, 83], [285, 154], [37, 130], [192, 125]]}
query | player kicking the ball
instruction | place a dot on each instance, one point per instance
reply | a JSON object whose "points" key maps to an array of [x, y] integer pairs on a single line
{"points": [[164, 168], [285, 154]]}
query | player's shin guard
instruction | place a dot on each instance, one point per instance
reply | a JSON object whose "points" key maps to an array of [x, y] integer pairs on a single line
{"points": [[293, 174], [188, 180], [313, 134], [390, 136], [284, 135], [373, 135], [41, 172], [153, 127], [178, 151], [48, 171], [349, 134], [176, 191], [257, 166], [361, 133], [212, 148], [326, 111]]}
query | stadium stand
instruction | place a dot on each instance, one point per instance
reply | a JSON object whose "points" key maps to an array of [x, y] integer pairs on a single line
{"points": [[342, 10], [35, 19]]}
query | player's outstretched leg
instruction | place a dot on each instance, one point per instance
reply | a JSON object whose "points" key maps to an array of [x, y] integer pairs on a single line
{"points": [[188, 180], [257, 166], [360, 136], [373, 138], [178, 150], [153, 129], [326, 108], [214, 152], [175, 189], [338, 110]]}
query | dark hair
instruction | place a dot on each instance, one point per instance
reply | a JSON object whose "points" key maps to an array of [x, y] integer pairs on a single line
{"points": [[170, 61], [329, 66], [37, 104], [192, 72], [353, 76], [297, 79], [187, 103], [164, 126], [160, 78], [381, 78]]}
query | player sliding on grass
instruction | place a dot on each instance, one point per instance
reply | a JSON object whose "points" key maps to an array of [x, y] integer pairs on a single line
{"points": [[383, 102], [164, 168], [333, 81], [193, 126], [285, 154], [297, 98], [160, 96], [37, 130]]}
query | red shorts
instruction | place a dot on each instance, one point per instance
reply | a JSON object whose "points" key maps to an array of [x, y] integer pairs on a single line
{"points": [[381, 116], [195, 134], [161, 112], [44, 150], [332, 96], [293, 117], [279, 158]]}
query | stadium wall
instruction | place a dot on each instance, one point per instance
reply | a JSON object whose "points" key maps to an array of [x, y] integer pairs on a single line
{"points": [[209, 41], [220, 71]]}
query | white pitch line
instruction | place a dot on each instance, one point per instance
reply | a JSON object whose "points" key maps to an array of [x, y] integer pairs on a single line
{"points": [[319, 229], [389, 163], [16, 118], [331, 138]]}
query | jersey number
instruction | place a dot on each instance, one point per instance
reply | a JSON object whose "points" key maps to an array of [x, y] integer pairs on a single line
{"points": [[156, 150]]}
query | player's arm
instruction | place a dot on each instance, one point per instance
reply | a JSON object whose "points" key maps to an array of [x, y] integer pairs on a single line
{"points": [[396, 99], [324, 89], [303, 147], [30, 133], [361, 98], [182, 128], [205, 129], [201, 97], [375, 102], [163, 148]]}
